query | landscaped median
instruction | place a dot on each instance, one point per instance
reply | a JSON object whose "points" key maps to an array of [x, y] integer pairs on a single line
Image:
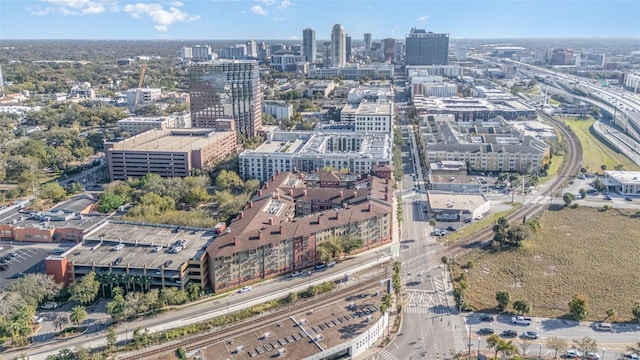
{"points": [[477, 225]]}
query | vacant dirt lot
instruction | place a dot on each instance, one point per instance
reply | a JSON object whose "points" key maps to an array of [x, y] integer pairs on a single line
{"points": [[577, 251]]}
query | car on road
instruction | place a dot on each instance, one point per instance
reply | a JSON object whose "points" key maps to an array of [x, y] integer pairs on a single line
{"points": [[631, 356], [572, 354], [245, 289], [487, 318], [530, 335], [485, 331], [603, 327], [295, 273], [628, 199], [592, 356], [521, 320], [607, 197], [509, 333]]}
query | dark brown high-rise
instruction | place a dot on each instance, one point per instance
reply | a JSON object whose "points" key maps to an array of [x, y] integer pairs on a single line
{"points": [[226, 89]]}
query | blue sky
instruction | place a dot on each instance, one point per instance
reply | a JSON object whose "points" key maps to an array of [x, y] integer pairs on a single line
{"points": [[285, 19]]}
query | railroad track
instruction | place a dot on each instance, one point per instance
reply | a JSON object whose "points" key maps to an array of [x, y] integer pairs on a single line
{"points": [[570, 167], [223, 334]]}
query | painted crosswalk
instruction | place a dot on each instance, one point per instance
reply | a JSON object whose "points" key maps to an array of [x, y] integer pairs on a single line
{"points": [[386, 355], [435, 310]]}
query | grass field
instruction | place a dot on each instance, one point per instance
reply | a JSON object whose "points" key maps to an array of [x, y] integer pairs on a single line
{"points": [[595, 152], [577, 251]]}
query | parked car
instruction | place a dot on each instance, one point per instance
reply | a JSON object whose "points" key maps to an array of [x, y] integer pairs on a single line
{"points": [[295, 273], [486, 318], [485, 331], [167, 263], [321, 266], [631, 356], [603, 327], [452, 228], [521, 320], [13, 254], [117, 261], [49, 305], [572, 354], [245, 289], [530, 335], [592, 356], [607, 197], [509, 333], [628, 199]]}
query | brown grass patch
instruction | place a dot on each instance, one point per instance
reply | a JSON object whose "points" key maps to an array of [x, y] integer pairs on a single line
{"points": [[578, 250]]}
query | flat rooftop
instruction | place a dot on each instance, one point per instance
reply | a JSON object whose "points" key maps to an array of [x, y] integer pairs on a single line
{"points": [[144, 119], [336, 324], [178, 140], [457, 179], [288, 146], [375, 108], [626, 177], [139, 241], [451, 201]]}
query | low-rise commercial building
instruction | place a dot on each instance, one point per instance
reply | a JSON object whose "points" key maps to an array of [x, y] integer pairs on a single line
{"points": [[308, 151], [370, 93], [352, 72], [374, 117], [447, 206], [67, 221], [623, 182], [138, 124], [321, 89], [169, 152], [147, 95]]}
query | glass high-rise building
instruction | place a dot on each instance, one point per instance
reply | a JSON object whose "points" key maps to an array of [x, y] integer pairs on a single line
{"points": [[348, 48], [309, 44], [226, 89], [426, 48], [367, 42]]}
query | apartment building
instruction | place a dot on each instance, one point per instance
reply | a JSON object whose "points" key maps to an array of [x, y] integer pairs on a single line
{"points": [[474, 109], [374, 117], [169, 152], [268, 239], [426, 48], [308, 151], [353, 71], [278, 109]]}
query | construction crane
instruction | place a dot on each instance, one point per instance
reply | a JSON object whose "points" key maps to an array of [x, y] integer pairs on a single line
{"points": [[139, 89]]}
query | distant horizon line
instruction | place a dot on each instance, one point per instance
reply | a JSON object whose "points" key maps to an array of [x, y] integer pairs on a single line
{"points": [[317, 39]]}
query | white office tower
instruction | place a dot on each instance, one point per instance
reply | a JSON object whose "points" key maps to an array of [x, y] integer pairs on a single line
{"points": [[185, 53], [338, 46]]}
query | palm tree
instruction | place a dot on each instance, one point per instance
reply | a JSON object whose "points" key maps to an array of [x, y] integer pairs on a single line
{"points": [[60, 322], [78, 314]]}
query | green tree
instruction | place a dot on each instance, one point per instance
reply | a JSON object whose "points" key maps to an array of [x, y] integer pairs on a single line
{"points": [[109, 201], [349, 243], [500, 229], [78, 314], [76, 188], [568, 198], [117, 306], [522, 306], [112, 338], [433, 222], [53, 191], [329, 250], [579, 307], [64, 354], [386, 303], [636, 311], [518, 234], [34, 288], [635, 349], [508, 348], [586, 344], [583, 193], [193, 291], [250, 186], [603, 167], [599, 185], [227, 180], [60, 321], [611, 314], [494, 342], [556, 344], [85, 290], [503, 298]]}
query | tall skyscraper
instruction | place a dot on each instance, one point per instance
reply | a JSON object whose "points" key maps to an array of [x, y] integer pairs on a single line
{"points": [[389, 49], [226, 89], [252, 49], [338, 46], [309, 44], [367, 42], [348, 48], [426, 48]]}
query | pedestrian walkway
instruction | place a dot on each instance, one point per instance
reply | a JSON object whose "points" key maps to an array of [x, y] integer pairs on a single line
{"points": [[435, 310]]}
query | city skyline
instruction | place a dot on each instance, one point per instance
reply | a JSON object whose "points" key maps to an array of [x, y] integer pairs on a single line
{"points": [[285, 19]]}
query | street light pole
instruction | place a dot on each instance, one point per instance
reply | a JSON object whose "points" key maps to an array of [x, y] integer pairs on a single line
{"points": [[478, 348], [602, 353], [540, 351]]}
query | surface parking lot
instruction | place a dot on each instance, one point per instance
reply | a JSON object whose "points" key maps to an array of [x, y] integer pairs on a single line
{"points": [[29, 259]]}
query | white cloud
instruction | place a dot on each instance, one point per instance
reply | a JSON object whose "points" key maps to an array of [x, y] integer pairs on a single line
{"points": [[156, 12], [257, 9], [294, 37], [177, 3], [422, 19], [267, 2], [277, 18], [285, 4], [75, 7]]}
